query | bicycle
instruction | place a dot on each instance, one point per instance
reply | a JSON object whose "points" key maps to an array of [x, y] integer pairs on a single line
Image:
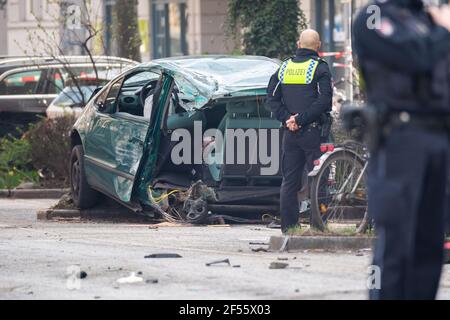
{"points": [[338, 189]]}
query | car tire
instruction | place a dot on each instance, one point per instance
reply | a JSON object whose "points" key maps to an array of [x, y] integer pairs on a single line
{"points": [[83, 195]]}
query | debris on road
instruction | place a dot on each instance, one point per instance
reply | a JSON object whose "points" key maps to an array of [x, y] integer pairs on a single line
{"points": [[261, 249], [130, 279], [163, 256], [278, 265], [110, 269], [152, 281], [282, 259], [81, 275], [258, 243], [225, 261]]}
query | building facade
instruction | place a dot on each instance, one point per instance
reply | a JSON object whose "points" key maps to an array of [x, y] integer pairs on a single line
{"points": [[3, 26], [167, 27]]}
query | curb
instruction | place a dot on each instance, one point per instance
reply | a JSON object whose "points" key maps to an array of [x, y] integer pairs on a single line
{"points": [[296, 243], [50, 214], [33, 193]]}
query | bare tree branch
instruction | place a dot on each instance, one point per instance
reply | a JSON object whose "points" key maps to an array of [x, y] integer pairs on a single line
{"points": [[51, 44]]}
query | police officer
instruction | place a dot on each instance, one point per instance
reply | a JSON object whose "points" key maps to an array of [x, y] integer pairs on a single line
{"points": [[403, 50], [299, 93]]}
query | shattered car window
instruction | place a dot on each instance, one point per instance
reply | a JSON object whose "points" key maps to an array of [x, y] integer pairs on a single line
{"points": [[202, 79], [234, 72]]}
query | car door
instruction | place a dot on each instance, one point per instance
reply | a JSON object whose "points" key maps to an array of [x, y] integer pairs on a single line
{"points": [[115, 141]]}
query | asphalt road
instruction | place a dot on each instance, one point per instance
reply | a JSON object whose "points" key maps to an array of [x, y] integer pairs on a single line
{"points": [[37, 258]]}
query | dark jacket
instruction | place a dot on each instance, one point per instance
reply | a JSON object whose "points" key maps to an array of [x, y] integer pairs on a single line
{"points": [[309, 101], [405, 62]]}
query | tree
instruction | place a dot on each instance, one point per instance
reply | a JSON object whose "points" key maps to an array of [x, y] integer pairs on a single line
{"points": [[127, 30], [78, 25], [268, 28]]}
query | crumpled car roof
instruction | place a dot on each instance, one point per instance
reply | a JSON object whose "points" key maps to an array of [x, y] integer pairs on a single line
{"points": [[201, 79]]}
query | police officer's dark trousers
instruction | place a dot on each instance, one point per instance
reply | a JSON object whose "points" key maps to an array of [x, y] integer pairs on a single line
{"points": [[299, 150], [407, 182]]}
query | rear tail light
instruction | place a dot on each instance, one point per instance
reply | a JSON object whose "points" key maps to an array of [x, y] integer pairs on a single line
{"points": [[447, 245], [326, 148]]}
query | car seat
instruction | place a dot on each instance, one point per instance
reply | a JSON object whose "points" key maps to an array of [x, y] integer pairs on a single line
{"points": [[245, 115]]}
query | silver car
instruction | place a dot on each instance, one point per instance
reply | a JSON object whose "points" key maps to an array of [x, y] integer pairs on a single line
{"points": [[29, 84]]}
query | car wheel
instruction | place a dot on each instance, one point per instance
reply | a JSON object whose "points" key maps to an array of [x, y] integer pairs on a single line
{"points": [[83, 195]]}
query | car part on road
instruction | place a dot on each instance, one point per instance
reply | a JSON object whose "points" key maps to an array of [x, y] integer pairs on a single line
{"points": [[256, 243], [225, 261], [163, 256], [132, 278], [195, 210], [189, 206], [152, 281], [278, 265], [193, 206]]}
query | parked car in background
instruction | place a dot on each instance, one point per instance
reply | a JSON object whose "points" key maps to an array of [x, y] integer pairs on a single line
{"points": [[29, 84], [122, 143], [74, 96], [70, 101]]}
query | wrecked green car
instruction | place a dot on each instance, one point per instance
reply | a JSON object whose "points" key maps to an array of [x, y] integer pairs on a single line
{"points": [[181, 138]]}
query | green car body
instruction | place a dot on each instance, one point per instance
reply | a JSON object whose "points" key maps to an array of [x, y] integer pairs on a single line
{"points": [[123, 148]]}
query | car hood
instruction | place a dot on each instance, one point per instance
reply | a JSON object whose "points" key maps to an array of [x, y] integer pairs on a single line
{"points": [[202, 79]]}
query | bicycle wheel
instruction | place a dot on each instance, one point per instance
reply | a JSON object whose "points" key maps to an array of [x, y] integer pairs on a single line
{"points": [[338, 195]]}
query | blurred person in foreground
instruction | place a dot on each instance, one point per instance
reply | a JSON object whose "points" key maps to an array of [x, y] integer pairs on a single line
{"points": [[403, 51]]}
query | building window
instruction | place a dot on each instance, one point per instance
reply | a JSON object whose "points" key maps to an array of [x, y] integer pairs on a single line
{"points": [[35, 9], [169, 26]]}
